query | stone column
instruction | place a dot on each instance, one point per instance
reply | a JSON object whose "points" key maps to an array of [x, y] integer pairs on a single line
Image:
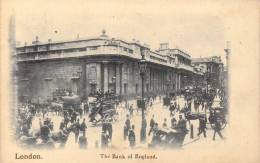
{"points": [[87, 79], [179, 81], [105, 77], [118, 78], [98, 69]]}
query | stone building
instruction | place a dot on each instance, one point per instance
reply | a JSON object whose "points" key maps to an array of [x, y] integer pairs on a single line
{"points": [[104, 63], [212, 64]]}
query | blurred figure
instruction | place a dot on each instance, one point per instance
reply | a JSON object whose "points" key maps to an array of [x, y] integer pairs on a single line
{"points": [[131, 136]]}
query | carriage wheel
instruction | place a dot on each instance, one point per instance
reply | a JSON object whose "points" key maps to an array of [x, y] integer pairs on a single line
{"points": [[94, 122], [223, 124], [106, 116]]}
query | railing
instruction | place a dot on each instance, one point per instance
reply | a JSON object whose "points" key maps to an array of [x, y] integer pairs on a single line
{"points": [[186, 67]]}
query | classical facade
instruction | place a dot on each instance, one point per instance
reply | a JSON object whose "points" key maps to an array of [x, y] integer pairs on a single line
{"points": [[103, 63]]}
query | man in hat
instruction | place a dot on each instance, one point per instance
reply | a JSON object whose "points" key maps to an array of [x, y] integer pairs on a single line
{"points": [[173, 122], [217, 129], [202, 126], [62, 124], [171, 109], [83, 127], [127, 126], [131, 109], [151, 125], [76, 131], [181, 123], [73, 117], [104, 125], [156, 136], [109, 129], [131, 136]]}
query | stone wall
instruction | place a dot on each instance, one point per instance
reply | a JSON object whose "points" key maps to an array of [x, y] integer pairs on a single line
{"points": [[40, 79]]}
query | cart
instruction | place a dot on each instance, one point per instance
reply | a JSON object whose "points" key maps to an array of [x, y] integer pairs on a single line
{"points": [[103, 111], [168, 138], [217, 113]]}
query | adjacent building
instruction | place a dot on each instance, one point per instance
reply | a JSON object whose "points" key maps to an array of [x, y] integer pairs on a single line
{"points": [[214, 66], [101, 63]]}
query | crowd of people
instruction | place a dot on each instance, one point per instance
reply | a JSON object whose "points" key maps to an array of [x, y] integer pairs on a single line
{"points": [[73, 120]]}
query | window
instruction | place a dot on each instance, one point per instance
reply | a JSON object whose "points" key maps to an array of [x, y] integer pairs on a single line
{"points": [[130, 51], [125, 70], [82, 49], [93, 48], [125, 49], [136, 88], [125, 88]]}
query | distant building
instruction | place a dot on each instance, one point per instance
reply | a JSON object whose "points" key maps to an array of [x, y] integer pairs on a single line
{"points": [[212, 64], [101, 63]]}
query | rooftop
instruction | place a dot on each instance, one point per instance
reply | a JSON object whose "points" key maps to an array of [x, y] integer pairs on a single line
{"points": [[215, 59]]}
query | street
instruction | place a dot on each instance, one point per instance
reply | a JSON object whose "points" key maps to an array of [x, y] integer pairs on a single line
{"points": [[93, 133]]}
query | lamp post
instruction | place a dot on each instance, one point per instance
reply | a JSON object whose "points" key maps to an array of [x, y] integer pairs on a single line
{"points": [[142, 65], [207, 80]]}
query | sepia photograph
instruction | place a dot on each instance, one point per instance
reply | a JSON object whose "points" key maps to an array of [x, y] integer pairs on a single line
{"points": [[148, 78]]}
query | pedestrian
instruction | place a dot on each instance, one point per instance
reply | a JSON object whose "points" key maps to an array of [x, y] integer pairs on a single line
{"points": [[73, 117], [62, 125], [66, 121], [202, 127], [104, 140], [104, 126], [80, 112], [181, 123], [131, 110], [178, 108], [110, 129], [217, 129], [171, 109], [131, 136], [173, 122], [127, 126], [86, 107], [165, 123], [156, 137], [76, 130], [83, 127], [151, 125]]}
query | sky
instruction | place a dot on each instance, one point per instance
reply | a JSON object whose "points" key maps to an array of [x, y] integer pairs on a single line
{"points": [[200, 31]]}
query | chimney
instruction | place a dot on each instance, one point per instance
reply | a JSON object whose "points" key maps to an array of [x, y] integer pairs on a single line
{"points": [[49, 40], [37, 38], [164, 46], [25, 43], [133, 40]]}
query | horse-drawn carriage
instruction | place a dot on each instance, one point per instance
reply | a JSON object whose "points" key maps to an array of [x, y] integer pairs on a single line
{"points": [[168, 138], [217, 113], [194, 116], [102, 111], [71, 101]]}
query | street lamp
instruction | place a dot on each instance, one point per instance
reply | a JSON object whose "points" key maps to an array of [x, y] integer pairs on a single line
{"points": [[207, 79], [142, 65]]}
